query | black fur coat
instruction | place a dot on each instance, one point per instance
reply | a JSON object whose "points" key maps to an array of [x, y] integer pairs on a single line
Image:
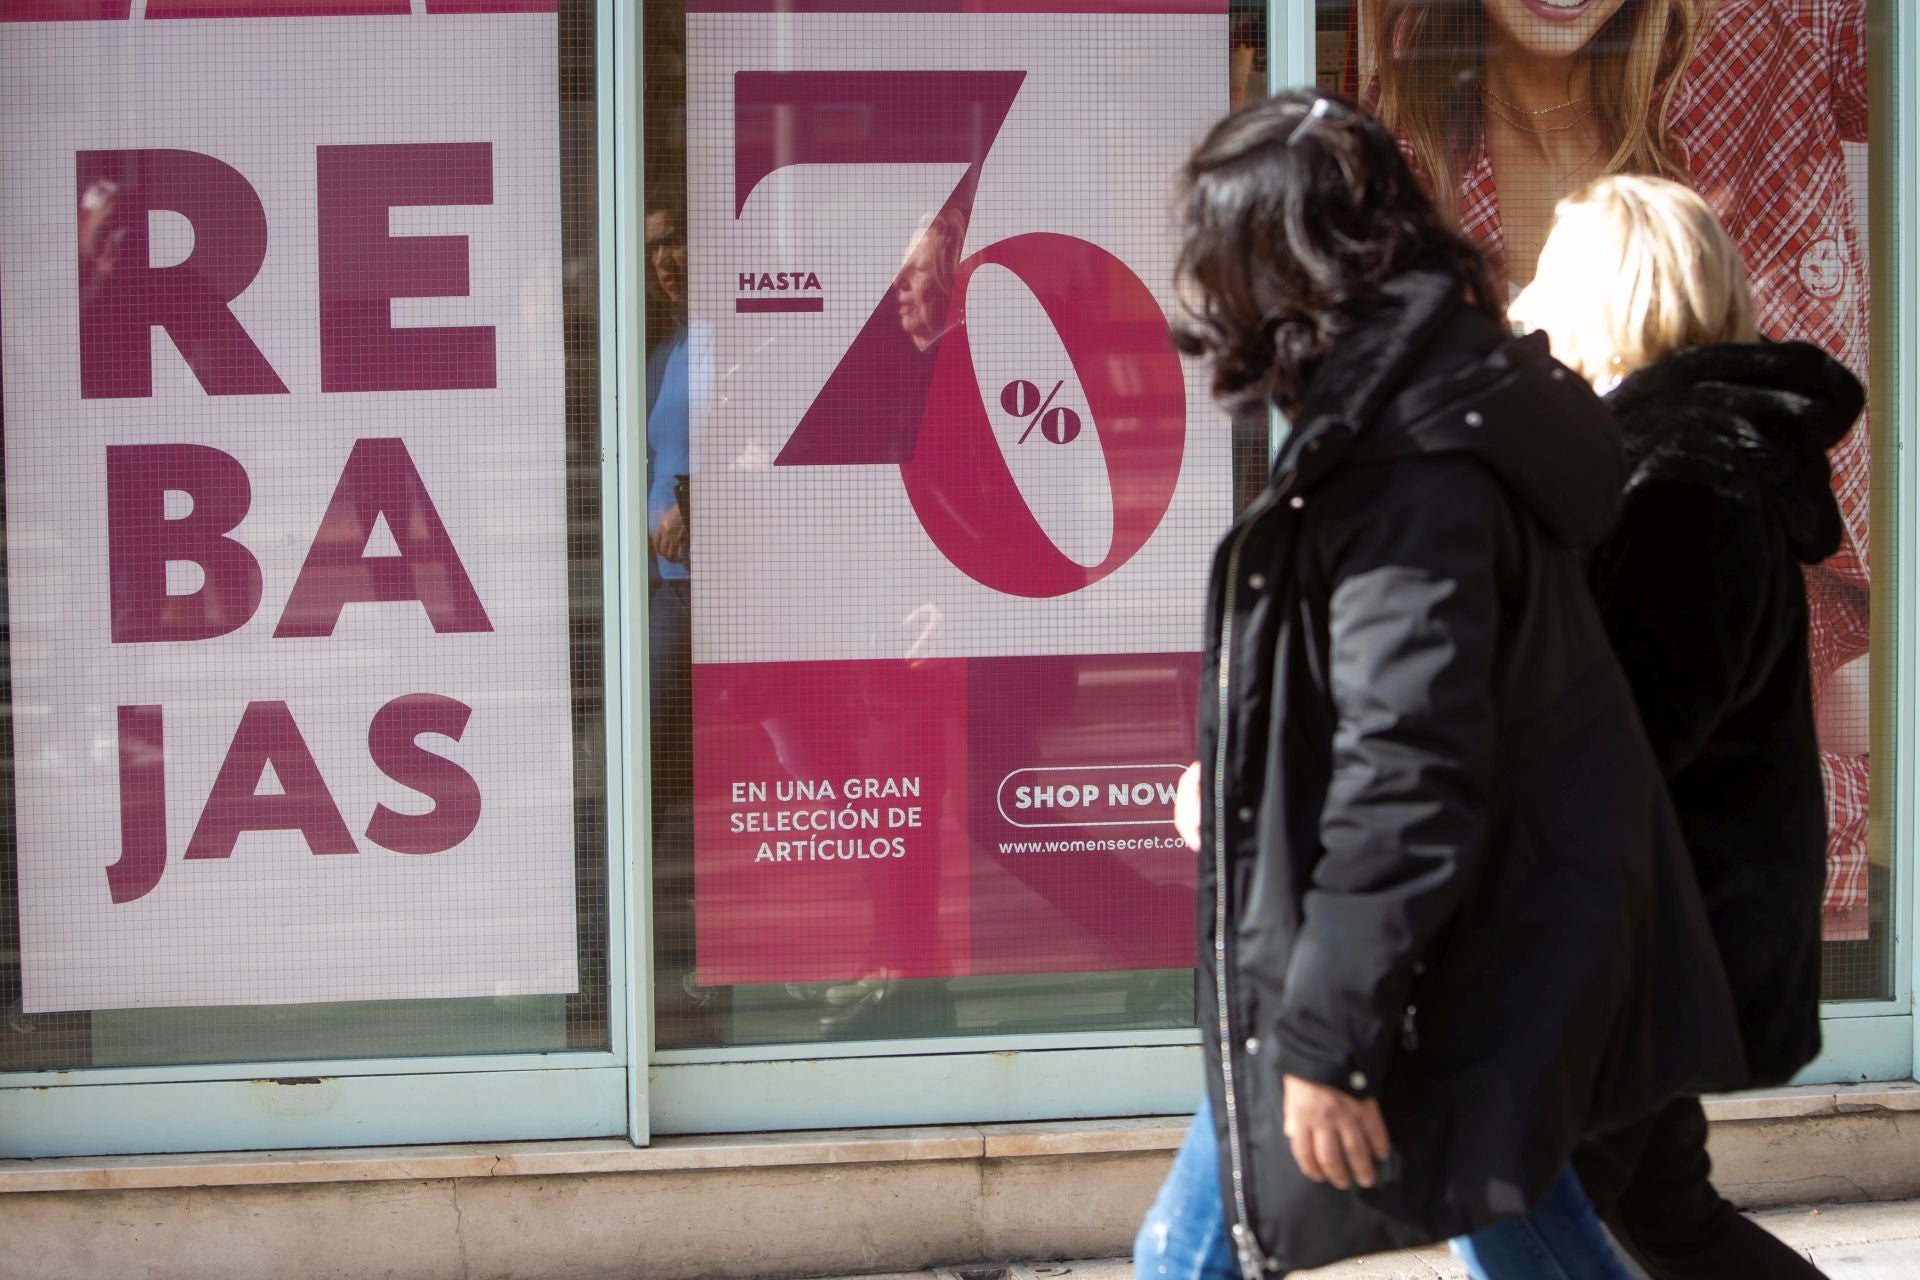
{"points": [[1701, 588]]}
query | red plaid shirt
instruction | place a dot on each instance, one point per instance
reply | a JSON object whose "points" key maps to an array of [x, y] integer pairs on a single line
{"points": [[1774, 88]]}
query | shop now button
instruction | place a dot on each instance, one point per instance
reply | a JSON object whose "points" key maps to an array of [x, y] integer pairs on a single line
{"points": [[1121, 795]]}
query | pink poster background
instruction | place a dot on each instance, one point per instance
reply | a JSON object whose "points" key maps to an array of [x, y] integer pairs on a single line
{"points": [[863, 818]]}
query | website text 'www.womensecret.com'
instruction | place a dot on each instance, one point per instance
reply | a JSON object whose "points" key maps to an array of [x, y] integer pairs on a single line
{"points": [[1098, 844]]}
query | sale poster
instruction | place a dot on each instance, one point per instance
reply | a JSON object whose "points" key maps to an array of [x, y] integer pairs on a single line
{"points": [[952, 492], [285, 505]]}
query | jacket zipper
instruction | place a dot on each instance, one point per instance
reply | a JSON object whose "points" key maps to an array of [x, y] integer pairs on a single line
{"points": [[1254, 1262]]}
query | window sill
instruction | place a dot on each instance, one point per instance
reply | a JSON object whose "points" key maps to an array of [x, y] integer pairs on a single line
{"points": [[595, 1156], [724, 1152]]}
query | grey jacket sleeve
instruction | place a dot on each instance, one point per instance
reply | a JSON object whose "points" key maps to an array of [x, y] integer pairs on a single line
{"points": [[1414, 624]]}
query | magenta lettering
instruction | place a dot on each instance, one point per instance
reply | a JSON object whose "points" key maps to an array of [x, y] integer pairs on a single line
{"points": [[779, 282], [455, 795], [143, 806], [362, 268], [141, 540], [380, 482], [268, 736], [123, 296]]}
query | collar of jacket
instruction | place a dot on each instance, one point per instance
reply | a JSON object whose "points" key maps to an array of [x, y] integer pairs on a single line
{"points": [[1424, 373], [1369, 364]]}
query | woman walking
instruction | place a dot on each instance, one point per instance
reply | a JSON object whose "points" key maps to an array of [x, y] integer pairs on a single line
{"points": [[1641, 290], [1441, 884]]}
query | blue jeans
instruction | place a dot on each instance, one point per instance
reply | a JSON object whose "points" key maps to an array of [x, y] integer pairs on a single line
{"points": [[1559, 1240], [1185, 1234]]}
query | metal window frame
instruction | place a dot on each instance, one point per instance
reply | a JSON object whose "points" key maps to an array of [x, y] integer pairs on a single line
{"points": [[1894, 39], [1880, 1039]]}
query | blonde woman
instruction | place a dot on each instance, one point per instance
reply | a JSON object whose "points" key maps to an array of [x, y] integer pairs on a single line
{"points": [[1505, 106], [1641, 291]]}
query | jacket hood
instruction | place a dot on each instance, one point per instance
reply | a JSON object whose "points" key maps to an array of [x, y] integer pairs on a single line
{"points": [[1753, 420], [1424, 373]]}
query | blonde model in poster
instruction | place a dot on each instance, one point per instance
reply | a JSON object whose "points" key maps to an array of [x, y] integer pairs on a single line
{"points": [[1505, 106]]}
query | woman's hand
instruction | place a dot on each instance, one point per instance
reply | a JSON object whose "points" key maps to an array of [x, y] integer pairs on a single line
{"points": [[1186, 807], [1336, 1137]]}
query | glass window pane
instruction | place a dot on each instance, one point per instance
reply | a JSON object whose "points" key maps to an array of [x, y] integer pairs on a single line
{"points": [[924, 663], [1775, 114], [355, 809]]}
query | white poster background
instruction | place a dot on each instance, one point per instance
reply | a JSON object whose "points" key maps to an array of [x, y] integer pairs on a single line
{"points": [[275, 923], [830, 562]]}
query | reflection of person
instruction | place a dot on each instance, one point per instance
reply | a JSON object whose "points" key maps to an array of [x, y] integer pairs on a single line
{"points": [[1246, 65], [670, 390], [905, 917], [1506, 106], [923, 291], [667, 408], [877, 415], [1446, 884], [1699, 585]]}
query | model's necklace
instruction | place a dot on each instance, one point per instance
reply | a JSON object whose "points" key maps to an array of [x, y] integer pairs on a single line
{"points": [[1537, 111], [1492, 105]]}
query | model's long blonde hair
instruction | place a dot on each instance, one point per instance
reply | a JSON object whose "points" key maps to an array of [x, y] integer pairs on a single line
{"points": [[1430, 57]]}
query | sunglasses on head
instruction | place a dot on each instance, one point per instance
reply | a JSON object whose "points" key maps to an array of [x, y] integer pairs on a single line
{"points": [[1322, 109]]}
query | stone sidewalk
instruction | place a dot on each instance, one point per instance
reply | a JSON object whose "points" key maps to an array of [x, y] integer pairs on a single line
{"points": [[1847, 1241]]}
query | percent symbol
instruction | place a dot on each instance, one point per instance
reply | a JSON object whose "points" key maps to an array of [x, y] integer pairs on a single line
{"points": [[1060, 425]]}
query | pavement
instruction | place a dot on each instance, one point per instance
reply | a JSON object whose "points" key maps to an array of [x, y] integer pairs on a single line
{"points": [[1847, 1241]]}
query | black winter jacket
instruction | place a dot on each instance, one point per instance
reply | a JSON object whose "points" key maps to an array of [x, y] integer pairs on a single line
{"points": [[1701, 590], [1439, 861]]}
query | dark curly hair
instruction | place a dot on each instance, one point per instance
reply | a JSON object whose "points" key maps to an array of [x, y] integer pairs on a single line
{"points": [[1295, 215]]}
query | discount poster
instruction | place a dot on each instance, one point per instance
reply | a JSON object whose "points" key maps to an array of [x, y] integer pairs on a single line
{"points": [[285, 503], [952, 493]]}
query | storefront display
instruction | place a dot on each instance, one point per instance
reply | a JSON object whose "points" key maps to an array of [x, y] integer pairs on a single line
{"points": [[286, 510], [578, 568], [954, 488]]}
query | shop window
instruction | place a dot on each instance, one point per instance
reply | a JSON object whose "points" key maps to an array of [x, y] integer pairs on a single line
{"points": [[920, 696], [302, 724]]}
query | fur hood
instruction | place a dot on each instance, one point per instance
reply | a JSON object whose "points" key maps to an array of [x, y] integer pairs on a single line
{"points": [[1753, 421]]}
